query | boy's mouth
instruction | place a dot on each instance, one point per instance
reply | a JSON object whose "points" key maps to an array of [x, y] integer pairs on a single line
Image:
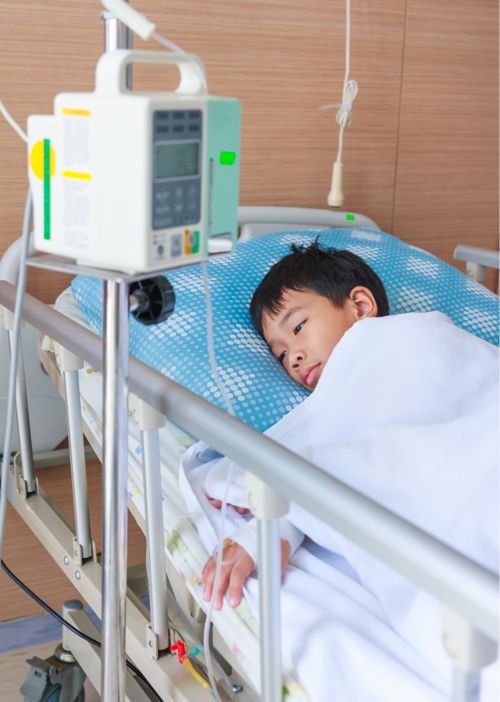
{"points": [[309, 376]]}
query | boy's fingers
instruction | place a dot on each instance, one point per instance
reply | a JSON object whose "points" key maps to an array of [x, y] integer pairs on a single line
{"points": [[204, 573], [234, 594], [208, 581], [207, 591], [215, 503], [207, 568], [218, 504], [237, 568], [221, 590], [207, 578], [285, 555], [239, 576]]}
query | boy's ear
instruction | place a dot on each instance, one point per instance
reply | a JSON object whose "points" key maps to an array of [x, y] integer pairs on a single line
{"points": [[364, 302]]}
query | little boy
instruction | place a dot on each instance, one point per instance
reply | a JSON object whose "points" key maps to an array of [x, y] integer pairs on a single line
{"points": [[302, 308]]}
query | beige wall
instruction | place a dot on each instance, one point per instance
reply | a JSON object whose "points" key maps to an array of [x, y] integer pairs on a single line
{"points": [[421, 156]]}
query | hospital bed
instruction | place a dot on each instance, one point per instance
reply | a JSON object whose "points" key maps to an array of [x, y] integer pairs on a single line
{"points": [[463, 586]]}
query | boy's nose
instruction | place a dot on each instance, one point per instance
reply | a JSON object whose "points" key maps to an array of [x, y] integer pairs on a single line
{"points": [[297, 358]]}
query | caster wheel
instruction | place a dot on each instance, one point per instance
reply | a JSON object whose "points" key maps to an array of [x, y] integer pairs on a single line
{"points": [[152, 300], [54, 692]]}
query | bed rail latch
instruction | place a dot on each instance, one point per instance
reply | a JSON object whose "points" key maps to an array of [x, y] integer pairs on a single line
{"points": [[152, 643], [21, 484], [78, 554]]}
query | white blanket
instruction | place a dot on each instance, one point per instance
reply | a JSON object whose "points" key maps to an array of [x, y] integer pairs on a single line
{"points": [[406, 412]]}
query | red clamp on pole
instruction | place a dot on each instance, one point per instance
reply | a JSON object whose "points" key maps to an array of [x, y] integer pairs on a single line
{"points": [[180, 647]]}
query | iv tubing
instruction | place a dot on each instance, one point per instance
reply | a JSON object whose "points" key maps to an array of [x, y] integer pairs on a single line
{"points": [[12, 122], [14, 356], [220, 535]]}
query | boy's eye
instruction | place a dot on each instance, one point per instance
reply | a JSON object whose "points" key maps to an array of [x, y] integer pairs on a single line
{"points": [[298, 328], [281, 357]]}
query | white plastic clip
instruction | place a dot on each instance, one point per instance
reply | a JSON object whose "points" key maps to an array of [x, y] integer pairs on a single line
{"points": [[475, 270], [146, 418], [265, 502], [67, 360], [470, 649], [7, 319]]}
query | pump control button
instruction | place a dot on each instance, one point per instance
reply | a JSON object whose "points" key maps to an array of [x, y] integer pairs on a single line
{"points": [[176, 245]]}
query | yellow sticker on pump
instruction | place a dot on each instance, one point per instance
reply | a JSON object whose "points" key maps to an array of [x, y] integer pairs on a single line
{"points": [[38, 154]]}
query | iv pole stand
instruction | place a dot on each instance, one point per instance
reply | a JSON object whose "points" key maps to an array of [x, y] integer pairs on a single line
{"points": [[114, 530]]}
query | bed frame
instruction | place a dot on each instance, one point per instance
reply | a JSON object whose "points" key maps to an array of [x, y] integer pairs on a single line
{"points": [[470, 593]]}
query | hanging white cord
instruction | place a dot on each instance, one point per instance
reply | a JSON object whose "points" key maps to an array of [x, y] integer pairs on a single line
{"points": [[350, 89], [12, 122], [344, 114], [14, 358]]}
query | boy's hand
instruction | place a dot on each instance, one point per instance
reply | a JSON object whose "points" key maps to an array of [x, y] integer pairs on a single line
{"points": [[237, 566], [218, 505]]}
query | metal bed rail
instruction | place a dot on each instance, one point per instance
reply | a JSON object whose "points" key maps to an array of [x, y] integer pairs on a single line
{"points": [[468, 590]]}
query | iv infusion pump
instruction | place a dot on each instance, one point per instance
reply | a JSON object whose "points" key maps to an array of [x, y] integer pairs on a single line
{"points": [[135, 181]]}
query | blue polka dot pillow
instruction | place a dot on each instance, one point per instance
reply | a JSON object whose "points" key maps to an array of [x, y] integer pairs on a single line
{"points": [[259, 388]]}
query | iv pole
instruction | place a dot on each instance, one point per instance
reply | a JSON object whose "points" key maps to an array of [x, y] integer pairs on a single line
{"points": [[114, 531]]}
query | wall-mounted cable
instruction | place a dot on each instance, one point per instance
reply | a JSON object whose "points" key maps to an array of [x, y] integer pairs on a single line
{"points": [[344, 114]]}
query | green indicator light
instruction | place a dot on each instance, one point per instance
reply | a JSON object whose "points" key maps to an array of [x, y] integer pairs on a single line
{"points": [[227, 158], [350, 217]]}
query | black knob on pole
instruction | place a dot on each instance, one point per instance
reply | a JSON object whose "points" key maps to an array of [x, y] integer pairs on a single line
{"points": [[152, 300]]}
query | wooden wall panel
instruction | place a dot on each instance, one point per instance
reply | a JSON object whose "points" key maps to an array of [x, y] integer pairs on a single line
{"points": [[45, 48], [420, 157], [447, 182], [283, 59]]}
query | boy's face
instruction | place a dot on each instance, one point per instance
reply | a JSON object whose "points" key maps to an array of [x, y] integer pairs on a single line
{"points": [[303, 334]]}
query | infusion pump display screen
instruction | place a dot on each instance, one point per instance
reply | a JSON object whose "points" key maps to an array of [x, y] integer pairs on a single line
{"points": [[176, 167], [177, 160]]}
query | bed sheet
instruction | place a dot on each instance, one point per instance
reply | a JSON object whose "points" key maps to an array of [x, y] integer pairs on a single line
{"points": [[380, 668], [342, 647], [433, 461]]}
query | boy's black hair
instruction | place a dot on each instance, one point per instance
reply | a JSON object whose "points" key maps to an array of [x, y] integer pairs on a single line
{"points": [[328, 272]]}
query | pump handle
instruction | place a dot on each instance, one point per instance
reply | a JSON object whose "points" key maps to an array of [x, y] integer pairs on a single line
{"points": [[110, 70]]}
